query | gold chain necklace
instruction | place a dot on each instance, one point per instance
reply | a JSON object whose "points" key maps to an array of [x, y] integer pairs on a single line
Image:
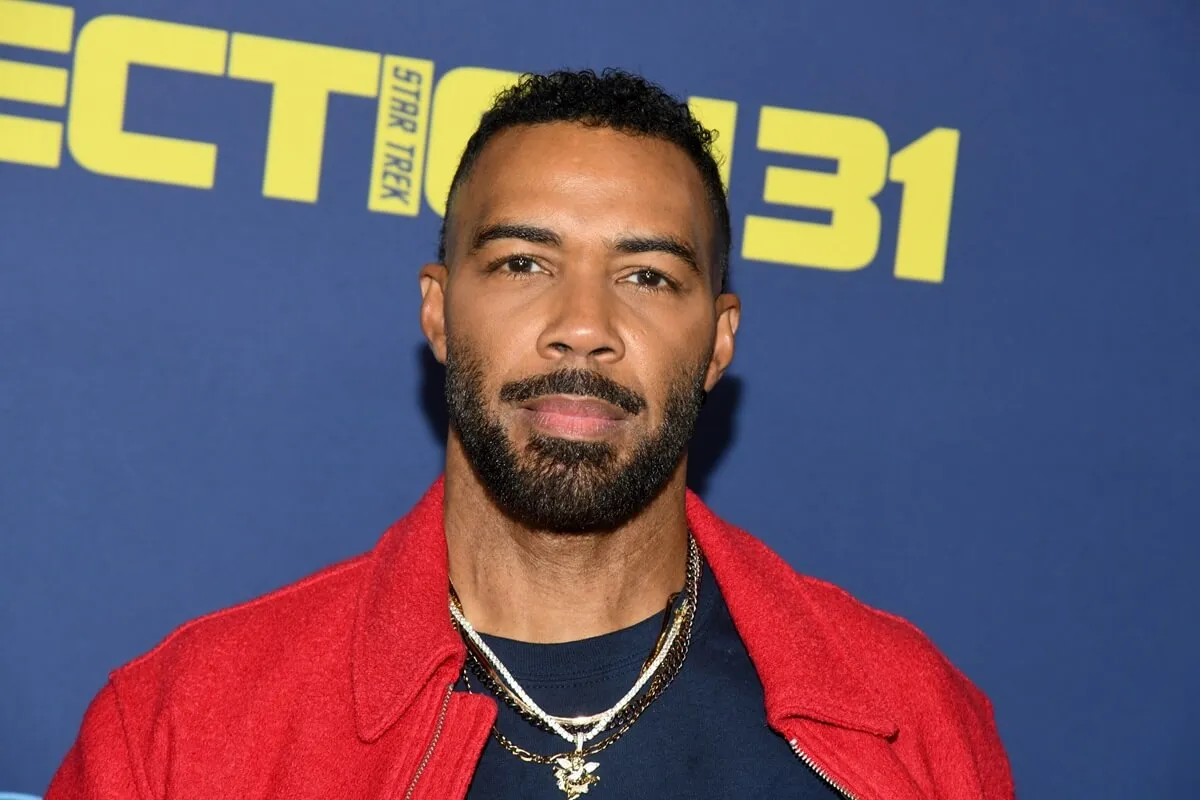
{"points": [[574, 773]]}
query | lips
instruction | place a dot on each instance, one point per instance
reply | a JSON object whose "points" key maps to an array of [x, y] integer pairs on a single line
{"points": [[587, 407], [574, 417]]}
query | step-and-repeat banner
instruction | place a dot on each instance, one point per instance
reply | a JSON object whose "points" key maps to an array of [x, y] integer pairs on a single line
{"points": [[967, 388]]}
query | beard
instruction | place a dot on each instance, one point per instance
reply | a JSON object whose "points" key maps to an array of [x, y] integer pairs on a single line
{"points": [[567, 485]]}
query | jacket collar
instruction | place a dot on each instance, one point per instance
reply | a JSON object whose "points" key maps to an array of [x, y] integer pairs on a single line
{"points": [[806, 666], [403, 637]]}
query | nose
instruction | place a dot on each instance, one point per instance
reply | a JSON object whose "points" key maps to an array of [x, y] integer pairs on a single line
{"points": [[581, 322]]}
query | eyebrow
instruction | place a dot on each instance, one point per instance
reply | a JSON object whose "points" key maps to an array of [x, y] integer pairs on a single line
{"points": [[659, 244], [527, 233], [630, 245]]}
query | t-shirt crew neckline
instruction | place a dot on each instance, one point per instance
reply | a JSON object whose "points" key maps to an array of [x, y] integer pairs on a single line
{"points": [[564, 663]]}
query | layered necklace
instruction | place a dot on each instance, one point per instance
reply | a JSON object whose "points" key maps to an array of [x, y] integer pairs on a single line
{"points": [[574, 773]]}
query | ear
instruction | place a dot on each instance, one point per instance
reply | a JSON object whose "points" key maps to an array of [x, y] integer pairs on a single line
{"points": [[433, 308], [729, 314]]}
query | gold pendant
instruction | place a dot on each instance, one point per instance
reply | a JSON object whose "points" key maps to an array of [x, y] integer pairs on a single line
{"points": [[575, 775]]}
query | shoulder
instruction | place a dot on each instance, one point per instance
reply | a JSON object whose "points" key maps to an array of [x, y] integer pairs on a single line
{"points": [[897, 656], [892, 653], [276, 639], [233, 676]]}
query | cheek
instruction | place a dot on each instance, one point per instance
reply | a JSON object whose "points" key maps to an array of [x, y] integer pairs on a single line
{"points": [[678, 378], [665, 351], [494, 319], [490, 347]]}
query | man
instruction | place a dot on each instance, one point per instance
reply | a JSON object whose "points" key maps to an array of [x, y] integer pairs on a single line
{"points": [[558, 616]]}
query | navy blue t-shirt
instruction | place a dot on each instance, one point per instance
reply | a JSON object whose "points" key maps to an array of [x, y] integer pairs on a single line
{"points": [[706, 736]]}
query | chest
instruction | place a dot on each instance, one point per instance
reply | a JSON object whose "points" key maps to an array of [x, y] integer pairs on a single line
{"points": [[657, 759], [706, 736]]}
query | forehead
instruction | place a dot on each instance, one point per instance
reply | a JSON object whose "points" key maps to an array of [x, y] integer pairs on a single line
{"points": [[585, 178]]}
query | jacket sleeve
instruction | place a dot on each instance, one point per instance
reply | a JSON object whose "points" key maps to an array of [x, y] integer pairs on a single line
{"points": [[991, 760], [957, 748], [98, 766]]}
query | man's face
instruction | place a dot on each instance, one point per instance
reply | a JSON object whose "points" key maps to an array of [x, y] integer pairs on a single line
{"points": [[577, 321]]}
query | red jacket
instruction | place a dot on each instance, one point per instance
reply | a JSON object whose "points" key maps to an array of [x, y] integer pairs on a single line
{"points": [[339, 686]]}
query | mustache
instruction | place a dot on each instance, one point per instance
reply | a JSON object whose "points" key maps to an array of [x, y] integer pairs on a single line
{"points": [[582, 382]]}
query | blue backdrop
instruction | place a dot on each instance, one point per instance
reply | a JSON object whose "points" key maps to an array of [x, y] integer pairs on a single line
{"points": [[966, 386]]}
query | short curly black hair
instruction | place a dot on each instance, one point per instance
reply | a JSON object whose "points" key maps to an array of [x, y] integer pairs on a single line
{"points": [[612, 99]]}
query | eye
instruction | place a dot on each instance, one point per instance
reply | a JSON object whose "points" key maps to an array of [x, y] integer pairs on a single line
{"points": [[647, 278], [522, 265]]}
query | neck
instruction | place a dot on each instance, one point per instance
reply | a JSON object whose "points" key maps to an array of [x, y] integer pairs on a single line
{"points": [[546, 587]]}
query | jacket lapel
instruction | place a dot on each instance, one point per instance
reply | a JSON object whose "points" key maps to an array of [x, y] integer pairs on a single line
{"points": [[403, 637]]}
